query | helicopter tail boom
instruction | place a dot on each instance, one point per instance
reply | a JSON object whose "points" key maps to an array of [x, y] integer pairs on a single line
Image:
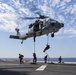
{"points": [[14, 37]]}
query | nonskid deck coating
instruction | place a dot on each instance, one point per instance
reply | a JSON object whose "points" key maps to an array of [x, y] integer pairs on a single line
{"points": [[31, 69]]}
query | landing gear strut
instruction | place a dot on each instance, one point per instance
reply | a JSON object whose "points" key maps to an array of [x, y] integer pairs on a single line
{"points": [[22, 42]]}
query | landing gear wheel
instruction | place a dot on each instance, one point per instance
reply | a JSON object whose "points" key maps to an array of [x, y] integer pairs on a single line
{"points": [[52, 35]]}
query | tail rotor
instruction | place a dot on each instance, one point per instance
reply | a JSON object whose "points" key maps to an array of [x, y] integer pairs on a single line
{"points": [[17, 31]]}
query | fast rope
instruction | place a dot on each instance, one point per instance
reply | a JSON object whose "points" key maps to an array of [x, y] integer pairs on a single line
{"points": [[34, 40], [47, 39], [34, 47]]}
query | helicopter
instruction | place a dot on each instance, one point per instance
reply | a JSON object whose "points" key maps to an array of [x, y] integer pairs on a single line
{"points": [[42, 25]]}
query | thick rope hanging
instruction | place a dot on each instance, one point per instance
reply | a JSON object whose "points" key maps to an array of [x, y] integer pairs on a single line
{"points": [[47, 39], [34, 47], [34, 40]]}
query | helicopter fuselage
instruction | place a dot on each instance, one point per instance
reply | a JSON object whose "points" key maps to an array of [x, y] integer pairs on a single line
{"points": [[48, 26]]}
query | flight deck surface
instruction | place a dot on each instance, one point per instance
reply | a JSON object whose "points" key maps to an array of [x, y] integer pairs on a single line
{"points": [[37, 69]]}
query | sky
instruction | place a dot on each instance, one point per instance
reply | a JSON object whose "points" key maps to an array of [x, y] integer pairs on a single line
{"points": [[11, 13]]}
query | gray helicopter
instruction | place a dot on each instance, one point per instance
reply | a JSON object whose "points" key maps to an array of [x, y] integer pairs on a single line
{"points": [[42, 25]]}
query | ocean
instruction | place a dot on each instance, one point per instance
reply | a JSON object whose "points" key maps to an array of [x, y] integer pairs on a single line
{"points": [[54, 59], [42, 60]]}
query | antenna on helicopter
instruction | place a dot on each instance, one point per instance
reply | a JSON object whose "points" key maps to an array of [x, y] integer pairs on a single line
{"points": [[41, 16]]}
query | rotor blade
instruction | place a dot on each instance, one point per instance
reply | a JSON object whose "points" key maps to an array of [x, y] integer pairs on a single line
{"points": [[43, 17], [40, 17]]}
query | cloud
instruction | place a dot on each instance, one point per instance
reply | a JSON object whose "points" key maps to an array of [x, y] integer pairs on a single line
{"points": [[26, 11], [70, 31], [64, 3], [61, 18], [71, 9], [54, 2], [7, 18], [6, 8], [16, 3], [47, 11], [7, 22]]}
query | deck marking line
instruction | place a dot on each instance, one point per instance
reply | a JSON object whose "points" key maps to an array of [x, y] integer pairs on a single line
{"points": [[41, 68]]}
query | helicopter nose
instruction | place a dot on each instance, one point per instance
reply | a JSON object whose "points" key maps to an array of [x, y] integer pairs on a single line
{"points": [[62, 24]]}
